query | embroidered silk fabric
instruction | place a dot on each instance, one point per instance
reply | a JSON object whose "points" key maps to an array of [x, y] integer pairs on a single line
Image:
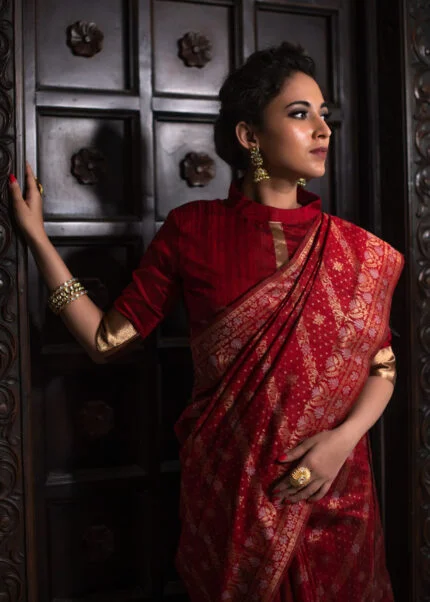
{"points": [[114, 333], [214, 252], [280, 352], [384, 364]]}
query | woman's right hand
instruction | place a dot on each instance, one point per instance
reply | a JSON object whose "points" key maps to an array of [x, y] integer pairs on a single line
{"points": [[29, 210]]}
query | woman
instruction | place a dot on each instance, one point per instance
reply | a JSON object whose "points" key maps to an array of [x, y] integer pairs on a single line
{"points": [[289, 312]]}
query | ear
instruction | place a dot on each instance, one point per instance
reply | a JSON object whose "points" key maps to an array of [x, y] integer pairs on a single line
{"points": [[246, 135]]}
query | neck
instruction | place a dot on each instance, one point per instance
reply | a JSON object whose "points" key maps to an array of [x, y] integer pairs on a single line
{"points": [[275, 192]]}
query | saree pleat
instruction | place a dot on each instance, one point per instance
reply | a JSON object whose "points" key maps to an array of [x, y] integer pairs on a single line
{"points": [[285, 361]]}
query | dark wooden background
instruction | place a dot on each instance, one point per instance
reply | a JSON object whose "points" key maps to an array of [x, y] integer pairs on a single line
{"points": [[89, 469]]}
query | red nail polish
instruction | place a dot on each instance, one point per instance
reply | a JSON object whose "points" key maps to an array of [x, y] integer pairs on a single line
{"points": [[12, 178], [283, 458], [275, 491]]}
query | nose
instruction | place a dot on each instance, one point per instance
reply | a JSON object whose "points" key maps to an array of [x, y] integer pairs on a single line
{"points": [[322, 129]]}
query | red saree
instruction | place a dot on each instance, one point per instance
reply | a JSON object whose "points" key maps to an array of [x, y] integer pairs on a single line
{"points": [[288, 312], [283, 362]]}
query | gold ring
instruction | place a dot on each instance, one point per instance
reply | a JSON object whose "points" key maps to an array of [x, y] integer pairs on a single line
{"points": [[300, 477], [39, 186]]}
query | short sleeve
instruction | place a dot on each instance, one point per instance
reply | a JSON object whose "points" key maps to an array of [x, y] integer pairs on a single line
{"points": [[383, 363], [155, 284]]}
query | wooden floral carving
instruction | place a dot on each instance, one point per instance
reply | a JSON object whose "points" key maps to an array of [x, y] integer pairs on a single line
{"points": [[99, 543], [88, 166], [84, 39], [195, 49], [96, 419], [13, 547], [417, 53], [198, 169]]}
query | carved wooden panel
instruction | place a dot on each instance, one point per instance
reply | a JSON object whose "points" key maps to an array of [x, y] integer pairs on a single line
{"points": [[174, 140], [195, 49], [198, 169], [418, 65], [85, 39], [101, 533], [13, 569], [86, 165], [89, 166], [92, 415], [73, 56], [172, 22], [103, 267], [313, 28]]}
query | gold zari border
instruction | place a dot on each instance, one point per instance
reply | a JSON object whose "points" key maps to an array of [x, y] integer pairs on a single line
{"points": [[384, 365], [279, 242], [114, 333]]}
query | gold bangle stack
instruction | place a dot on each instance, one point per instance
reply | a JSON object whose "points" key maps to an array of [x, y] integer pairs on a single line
{"points": [[66, 293]]}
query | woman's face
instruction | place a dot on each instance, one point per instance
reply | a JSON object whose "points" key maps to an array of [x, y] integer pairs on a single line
{"points": [[294, 136]]}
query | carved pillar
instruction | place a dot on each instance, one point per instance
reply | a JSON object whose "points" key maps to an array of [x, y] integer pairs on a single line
{"points": [[12, 550], [417, 55]]}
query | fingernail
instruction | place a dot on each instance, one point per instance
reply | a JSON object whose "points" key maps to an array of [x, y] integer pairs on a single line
{"points": [[12, 178], [275, 491], [283, 458]]}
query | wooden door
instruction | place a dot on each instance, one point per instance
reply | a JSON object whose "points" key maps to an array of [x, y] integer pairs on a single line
{"points": [[120, 100]]}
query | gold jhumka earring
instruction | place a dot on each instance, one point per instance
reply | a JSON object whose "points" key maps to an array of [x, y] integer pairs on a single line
{"points": [[301, 182], [260, 173]]}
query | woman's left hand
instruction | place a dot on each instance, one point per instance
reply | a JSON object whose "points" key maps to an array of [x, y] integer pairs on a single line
{"points": [[324, 454]]}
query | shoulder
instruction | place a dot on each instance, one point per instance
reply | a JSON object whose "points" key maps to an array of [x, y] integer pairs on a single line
{"points": [[366, 246], [361, 240], [197, 213]]}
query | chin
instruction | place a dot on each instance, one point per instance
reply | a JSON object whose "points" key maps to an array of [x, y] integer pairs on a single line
{"points": [[312, 175]]}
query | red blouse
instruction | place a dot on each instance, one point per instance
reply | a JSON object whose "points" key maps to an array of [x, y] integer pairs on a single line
{"points": [[214, 252]]}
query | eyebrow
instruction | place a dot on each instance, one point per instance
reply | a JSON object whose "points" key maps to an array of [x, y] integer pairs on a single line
{"points": [[306, 103]]}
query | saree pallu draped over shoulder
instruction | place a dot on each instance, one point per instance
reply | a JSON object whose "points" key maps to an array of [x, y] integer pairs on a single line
{"points": [[282, 363]]}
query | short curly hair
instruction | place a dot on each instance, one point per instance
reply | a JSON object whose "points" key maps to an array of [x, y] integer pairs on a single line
{"points": [[248, 90]]}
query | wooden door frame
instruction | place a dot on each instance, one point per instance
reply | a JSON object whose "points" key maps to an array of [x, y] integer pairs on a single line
{"points": [[395, 183], [394, 160], [17, 572], [408, 156], [380, 63], [394, 201]]}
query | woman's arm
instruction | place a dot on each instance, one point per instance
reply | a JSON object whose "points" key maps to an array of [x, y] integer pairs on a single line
{"points": [[154, 287], [325, 453], [82, 317], [369, 406]]}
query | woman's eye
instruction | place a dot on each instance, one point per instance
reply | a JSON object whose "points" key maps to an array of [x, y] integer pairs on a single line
{"points": [[304, 114], [299, 114]]}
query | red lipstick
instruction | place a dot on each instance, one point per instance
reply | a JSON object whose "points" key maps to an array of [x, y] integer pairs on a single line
{"points": [[320, 152]]}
